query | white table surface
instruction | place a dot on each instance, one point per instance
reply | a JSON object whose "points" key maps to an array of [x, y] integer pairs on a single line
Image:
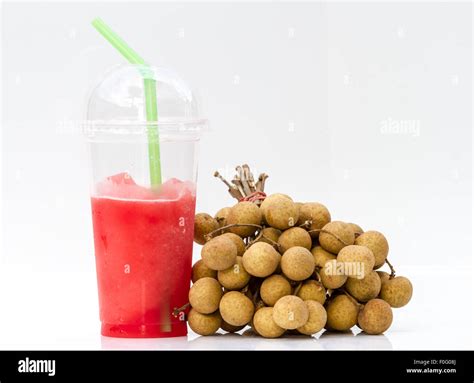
{"points": [[50, 310]]}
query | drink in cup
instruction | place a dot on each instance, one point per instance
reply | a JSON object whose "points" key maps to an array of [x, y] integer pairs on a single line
{"points": [[143, 230]]}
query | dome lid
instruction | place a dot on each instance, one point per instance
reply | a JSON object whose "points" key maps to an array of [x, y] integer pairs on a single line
{"points": [[119, 100]]}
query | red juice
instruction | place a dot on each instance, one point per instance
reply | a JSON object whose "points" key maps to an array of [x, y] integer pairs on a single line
{"points": [[143, 247]]}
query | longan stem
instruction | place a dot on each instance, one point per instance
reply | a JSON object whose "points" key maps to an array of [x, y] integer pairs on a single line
{"points": [[261, 182], [276, 244], [392, 269], [250, 243], [307, 224], [243, 185], [177, 310], [328, 232], [233, 191], [318, 277], [351, 297], [298, 288], [223, 228]]}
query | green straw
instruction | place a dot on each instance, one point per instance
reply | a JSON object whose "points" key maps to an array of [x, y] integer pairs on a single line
{"points": [[150, 97]]}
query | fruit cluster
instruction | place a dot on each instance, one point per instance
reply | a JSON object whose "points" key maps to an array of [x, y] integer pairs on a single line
{"points": [[279, 265]]}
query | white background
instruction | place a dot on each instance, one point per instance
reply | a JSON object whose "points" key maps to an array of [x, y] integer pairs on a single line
{"points": [[302, 91]]}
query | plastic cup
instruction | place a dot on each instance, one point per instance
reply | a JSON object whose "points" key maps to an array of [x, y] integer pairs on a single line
{"points": [[143, 235]]}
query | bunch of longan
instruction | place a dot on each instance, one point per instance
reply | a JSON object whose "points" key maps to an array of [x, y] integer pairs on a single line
{"points": [[283, 266]]}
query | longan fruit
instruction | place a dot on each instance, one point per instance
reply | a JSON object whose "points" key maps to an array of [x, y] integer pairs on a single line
{"points": [[200, 270], [297, 263], [219, 253], [264, 324], [366, 288], [358, 261], [235, 277], [317, 213], [290, 312], [296, 236], [270, 234], [273, 288], [335, 236], [384, 276], [332, 275], [203, 224], [221, 216], [376, 242], [279, 211], [316, 320], [205, 295], [312, 290], [261, 259], [204, 324], [229, 328], [355, 228], [238, 242], [396, 292], [321, 256], [375, 317], [342, 313], [271, 199], [244, 213], [236, 309], [298, 206]]}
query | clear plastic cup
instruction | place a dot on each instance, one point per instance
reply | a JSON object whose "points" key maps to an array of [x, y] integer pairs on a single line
{"points": [[143, 235]]}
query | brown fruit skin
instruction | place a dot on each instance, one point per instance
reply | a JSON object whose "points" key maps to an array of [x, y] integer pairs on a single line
{"points": [[271, 199], [297, 263], [366, 288], [375, 317], [264, 324], [312, 290], [361, 255], [384, 276], [273, 288], [238, 242], [321, 256], [316, 320], [235, 277], [200, 270], [204, 324], [342, 313], [290, 312], [270, 234], [205, 295], [261, 259], [397, 292], [317, 213], [279, 211], [244, 213], [203, 224], [328, 238], [296, 236], [376, 242], [221, 216], [356, 229], [332, 281], [298, 206], [219, 253], [236, 309], [229, 328]]}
